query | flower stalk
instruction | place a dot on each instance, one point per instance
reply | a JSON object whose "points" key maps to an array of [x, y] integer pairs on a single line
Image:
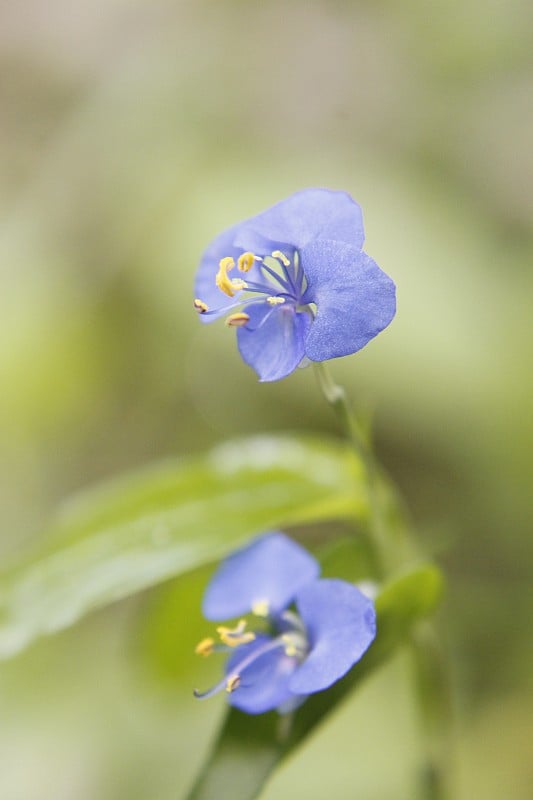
{"points": [[391, 547], [387, 552]]}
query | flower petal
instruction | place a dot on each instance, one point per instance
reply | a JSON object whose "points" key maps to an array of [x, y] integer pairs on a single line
{"points": [[264, 684], [269, 570], [355, 299], [273, 341], [301, 218], [341, 624]]}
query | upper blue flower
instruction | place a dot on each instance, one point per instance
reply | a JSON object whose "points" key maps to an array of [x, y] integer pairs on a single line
{"points": [[305, 286], [298, 652]]}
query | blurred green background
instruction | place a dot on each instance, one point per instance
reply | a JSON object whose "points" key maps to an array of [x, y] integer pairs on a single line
{"points": [[131, 134]]}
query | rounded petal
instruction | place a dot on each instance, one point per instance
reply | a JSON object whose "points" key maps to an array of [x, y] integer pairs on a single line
{"points": [[355, 299], [301, 218], [271, 569], [205, 287], [273, 341], [264, 684], [341, 624]]}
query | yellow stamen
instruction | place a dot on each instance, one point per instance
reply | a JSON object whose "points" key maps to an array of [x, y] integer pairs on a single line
{"points": [[260, 608], [233, 637], [224, 283], [237, 320], [239, 627], [232, 683], [205, 647], [290, 647], [245, 262], [282, 257], [226, 263], [200, 306], [275, 301]]}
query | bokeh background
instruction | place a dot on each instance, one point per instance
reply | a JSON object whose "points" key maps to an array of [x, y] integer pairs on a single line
{"points": [[131, 133]]}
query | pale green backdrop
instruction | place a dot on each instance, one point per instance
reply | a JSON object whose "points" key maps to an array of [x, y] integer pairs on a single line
{"points": [[131, 134]]}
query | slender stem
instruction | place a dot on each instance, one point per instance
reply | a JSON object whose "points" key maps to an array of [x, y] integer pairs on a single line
{"points": [[393, 547], [434, 697], [338, 399], [384, 555]]}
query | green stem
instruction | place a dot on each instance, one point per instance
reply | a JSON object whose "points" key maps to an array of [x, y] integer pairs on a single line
{"points": [[393, 548], [387, 554], [434, 697], [338, 399]]}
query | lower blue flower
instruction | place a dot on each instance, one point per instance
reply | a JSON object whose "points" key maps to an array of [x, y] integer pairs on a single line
{"points": [[304, 650]]}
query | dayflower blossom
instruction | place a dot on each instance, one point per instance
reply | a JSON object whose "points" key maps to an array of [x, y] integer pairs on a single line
{"points": [[305, 289], [311, 630]]}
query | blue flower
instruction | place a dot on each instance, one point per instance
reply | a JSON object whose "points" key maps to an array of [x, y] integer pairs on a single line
{"points": [[305, 288], [295, 652]]}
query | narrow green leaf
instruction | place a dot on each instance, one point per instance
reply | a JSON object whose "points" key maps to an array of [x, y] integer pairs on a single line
{"points": [[249, 748], [135, 532]]}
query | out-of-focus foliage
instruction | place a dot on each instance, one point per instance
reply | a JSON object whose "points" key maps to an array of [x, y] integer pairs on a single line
{"points": [[170, 519], [131, 134]]}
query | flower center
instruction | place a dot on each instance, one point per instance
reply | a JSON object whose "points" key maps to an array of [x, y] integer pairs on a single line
{"points": [[291, 638], [277, 280]]}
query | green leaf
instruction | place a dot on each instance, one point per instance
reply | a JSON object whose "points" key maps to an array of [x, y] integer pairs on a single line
{"points": [[137, 531], [249, 748]]}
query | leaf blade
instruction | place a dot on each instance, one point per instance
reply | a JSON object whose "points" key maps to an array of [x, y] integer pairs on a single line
{"points": [[143, 529]]}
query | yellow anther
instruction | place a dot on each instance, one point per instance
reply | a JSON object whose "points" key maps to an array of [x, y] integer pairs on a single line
{"points": [[205, 647], [239, 628], [200, 306], [226, 263], [290, 647], [281, 257], [261, 608], [233, 637], [237, 320], [275, 301], [245, 262], [224, 283], [232, 683]]}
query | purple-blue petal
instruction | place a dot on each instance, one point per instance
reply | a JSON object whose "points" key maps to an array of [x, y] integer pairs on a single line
{"points": [[273, 341], [341, 624], [301, 218], [271, 568], [264, 684], [355, 299]]}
